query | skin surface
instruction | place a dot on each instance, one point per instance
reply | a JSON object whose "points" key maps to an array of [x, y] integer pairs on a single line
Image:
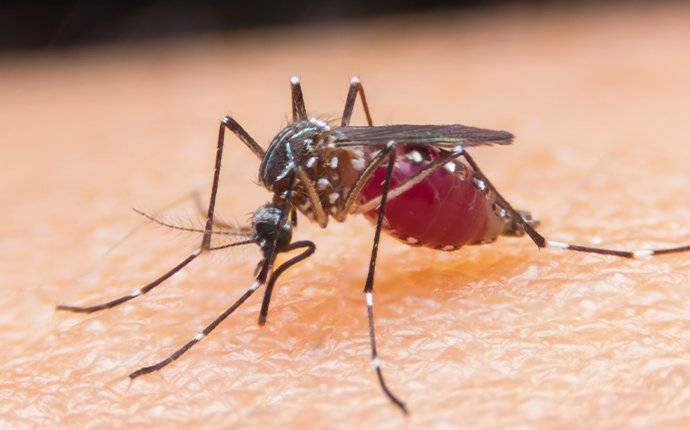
{"points": [[493, 336]]}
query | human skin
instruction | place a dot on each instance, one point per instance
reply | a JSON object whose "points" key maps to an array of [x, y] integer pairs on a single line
{"points": [[502, 335]]}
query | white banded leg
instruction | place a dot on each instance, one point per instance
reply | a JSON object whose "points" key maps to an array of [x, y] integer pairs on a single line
{"points": [[299, 111], [542, 242], [375, 360], [355, 88], [226, 123], [638, 253], [199, 336], [369, 286], [135, 293]]}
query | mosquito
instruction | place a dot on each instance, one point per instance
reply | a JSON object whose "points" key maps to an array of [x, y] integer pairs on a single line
{"points": [[417, 183]]}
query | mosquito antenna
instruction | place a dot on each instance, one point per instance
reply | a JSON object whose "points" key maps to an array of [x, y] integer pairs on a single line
{"points": [[199, 205], [194, 230], [135, 229]]}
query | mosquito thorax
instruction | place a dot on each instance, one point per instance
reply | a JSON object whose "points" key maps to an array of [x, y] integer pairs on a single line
{"points": [[265, 225], [293, 146], [307, 146]]}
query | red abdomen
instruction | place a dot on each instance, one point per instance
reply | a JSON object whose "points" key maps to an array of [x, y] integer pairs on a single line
{"points": [[448, 209]]}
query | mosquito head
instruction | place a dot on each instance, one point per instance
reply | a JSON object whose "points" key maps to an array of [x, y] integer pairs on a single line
{"points": [[272, 224], [292, 147]]}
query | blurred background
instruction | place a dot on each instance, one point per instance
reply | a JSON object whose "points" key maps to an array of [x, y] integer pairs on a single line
{"points": [[59, 24]]}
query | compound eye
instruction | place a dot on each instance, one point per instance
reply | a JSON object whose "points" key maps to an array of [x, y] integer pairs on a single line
{"points": [[264, 229], [268, 232]]}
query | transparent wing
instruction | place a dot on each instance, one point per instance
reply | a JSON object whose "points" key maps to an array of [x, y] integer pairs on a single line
{"points": [[410, 134]]}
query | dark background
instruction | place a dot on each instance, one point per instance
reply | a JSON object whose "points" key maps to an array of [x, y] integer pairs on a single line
{"points": [[30, 25]]}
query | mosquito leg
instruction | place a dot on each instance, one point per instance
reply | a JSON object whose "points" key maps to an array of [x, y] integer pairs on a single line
{"points": [[266, 267], [369, 286], [232, 125], [299, 111], [174, 356], [226, 123], [310, 248], [355, 88], [319, 212], [542, 242], [136, 293]]}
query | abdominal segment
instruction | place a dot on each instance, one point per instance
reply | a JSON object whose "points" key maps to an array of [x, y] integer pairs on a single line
{"points": [[448, 209]]}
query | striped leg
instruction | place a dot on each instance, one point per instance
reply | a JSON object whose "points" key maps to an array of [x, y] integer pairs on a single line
{"points": [[202, 334], [309, 250], [226, 123], [260, 280], [369, 286], [299, 111], [542, 242], [266, 269], [355, 88]]}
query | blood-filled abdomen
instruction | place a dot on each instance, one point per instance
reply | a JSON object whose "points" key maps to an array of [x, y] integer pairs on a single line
{"points": [[448, 209]]}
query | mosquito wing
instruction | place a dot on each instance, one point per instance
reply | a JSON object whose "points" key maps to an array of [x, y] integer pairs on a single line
{"points": [[409, 134]]}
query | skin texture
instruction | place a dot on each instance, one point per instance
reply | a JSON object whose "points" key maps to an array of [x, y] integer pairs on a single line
{"points": [[496, 336]]}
